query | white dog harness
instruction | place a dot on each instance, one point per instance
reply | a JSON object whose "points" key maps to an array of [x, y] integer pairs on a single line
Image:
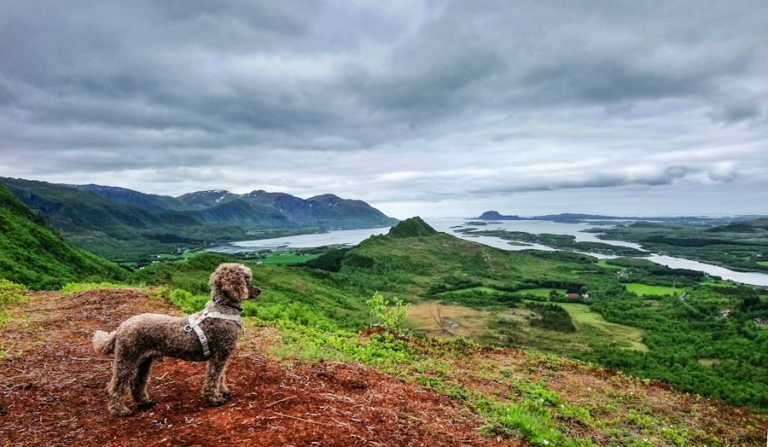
{"points": [[194, 325]]}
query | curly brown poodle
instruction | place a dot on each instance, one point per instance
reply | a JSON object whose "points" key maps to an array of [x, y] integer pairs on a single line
{"points": [[143, 338]]}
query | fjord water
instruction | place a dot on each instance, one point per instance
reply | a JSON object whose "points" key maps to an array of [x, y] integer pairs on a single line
{"points": [[340, 237], [451, 225]]}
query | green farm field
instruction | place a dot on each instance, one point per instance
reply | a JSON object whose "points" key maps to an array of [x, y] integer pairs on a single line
{"points": [[644, 289], [604, 264], [287, 258], [582, 316]]}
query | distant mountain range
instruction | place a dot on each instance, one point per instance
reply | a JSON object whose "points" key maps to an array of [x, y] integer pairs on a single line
{"points": [[495, 215], [577, 217], [257, 208], [121, 224]]}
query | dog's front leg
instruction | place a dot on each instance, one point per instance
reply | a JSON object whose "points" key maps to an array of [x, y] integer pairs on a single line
{"points": [[211, 391], [222, 386]]}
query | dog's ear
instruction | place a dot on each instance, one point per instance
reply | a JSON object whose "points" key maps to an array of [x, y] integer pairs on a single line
{"points": [[232, 279]]}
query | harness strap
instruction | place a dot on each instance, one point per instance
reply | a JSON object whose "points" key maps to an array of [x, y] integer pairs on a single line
{"points": [[194, 325], [200, 334]]}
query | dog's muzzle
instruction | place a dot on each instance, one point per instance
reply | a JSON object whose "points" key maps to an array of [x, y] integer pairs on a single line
{"points": [[253, 291]]}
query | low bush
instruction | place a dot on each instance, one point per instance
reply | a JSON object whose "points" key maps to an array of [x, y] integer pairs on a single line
{"points": [[11, 293], [187, 302]]}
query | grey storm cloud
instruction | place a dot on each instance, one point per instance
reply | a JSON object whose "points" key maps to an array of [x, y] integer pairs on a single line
{"points": [[386, 101]]}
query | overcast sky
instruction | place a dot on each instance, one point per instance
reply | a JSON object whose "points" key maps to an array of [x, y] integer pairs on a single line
{"points": [[431, 108]]}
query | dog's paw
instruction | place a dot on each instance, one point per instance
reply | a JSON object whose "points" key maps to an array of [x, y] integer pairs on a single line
{"points": [[121, 412], [215, 401], [146, 404]]}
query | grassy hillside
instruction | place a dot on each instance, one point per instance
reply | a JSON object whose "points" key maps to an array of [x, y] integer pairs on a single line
{"points": [[31, 254]]}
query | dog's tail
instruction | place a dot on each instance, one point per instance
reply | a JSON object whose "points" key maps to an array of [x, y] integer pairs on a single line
{"points": [[104, 343]]}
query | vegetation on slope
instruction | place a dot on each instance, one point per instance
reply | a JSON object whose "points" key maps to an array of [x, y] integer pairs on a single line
{"points": [[31, 254]]}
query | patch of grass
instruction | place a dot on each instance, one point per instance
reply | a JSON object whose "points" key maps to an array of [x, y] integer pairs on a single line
{"points": [[74, 287], [537, 427], [644, 289], [762, 263], [708, 362]]}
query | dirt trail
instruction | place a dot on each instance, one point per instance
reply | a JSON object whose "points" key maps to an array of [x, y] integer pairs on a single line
{"points": [[52, 391]]}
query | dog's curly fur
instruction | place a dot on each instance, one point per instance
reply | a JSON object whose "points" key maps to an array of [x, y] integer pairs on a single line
{"points": [[143, 338]]}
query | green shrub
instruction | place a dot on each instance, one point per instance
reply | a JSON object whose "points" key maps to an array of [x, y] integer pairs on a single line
{"points": [[391, 318], [187, 302], [11, 293], [311, 343]]}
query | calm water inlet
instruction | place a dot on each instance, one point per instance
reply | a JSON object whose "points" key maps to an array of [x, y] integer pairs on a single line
{"points": [[450, 225]]}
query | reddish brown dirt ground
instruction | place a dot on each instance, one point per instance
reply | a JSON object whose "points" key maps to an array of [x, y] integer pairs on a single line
{"points": [[52, 391]]}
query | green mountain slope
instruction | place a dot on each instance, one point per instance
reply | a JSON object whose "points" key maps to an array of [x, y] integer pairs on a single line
{"points": [[116, 231], [31, 254], [125, 225], [129, 197], [72, 210]]}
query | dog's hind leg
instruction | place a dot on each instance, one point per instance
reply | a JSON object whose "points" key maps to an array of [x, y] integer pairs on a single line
{"points": [[139, 386], [123, 376]]}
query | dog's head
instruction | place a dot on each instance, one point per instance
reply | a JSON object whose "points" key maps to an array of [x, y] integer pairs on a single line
{"points": [[232, 282]]}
